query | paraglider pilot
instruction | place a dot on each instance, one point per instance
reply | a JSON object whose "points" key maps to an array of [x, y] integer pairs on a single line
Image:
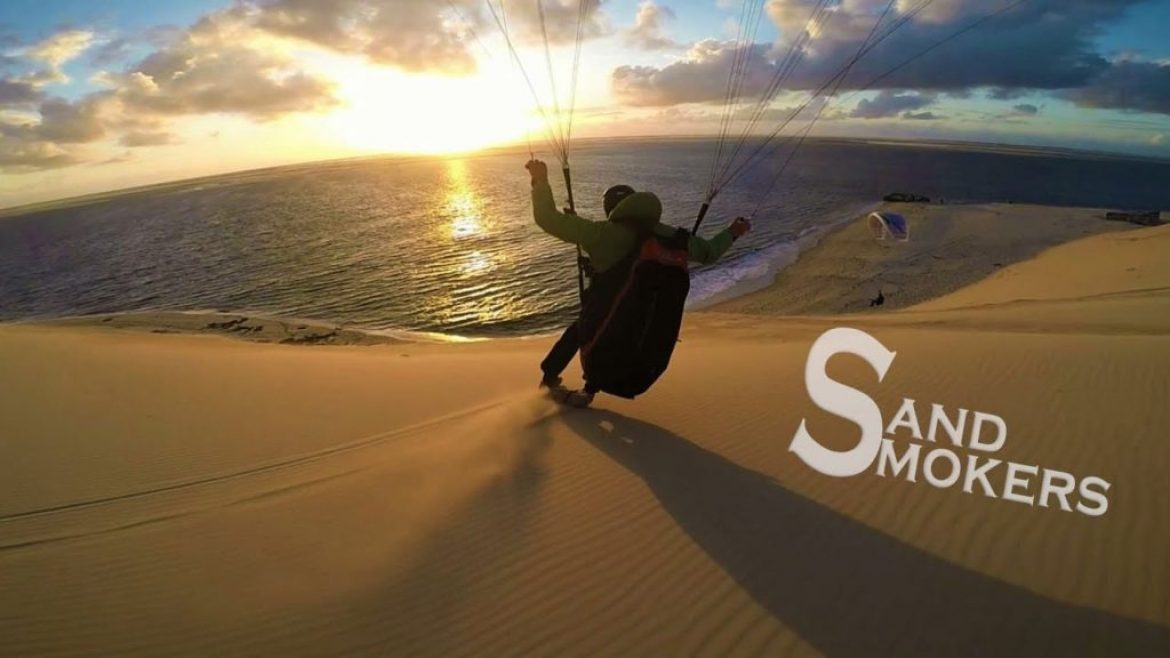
{"points": [[607, 243]]}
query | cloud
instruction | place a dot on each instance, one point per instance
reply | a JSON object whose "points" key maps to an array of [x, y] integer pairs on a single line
{"points": [[117, 50], [146, 138], [408, 34], [1018, 113], [216, 68], [1158, 140], [18, 156], [1127, 85], [648, 31], [43, 77], [54, 52], [61, 47], [61, 122], [712, 114], [112, 51], [889, 103], [219, 65], [41, 133], [1040, 45], [15, 92], [237, 61], [1006, 94], [701, 76], [422, 36], [65, 122], [124, 156], [560, 20], [922, 116]]}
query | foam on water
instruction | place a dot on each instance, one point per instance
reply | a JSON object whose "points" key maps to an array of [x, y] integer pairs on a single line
{"points": [[758, 269]]}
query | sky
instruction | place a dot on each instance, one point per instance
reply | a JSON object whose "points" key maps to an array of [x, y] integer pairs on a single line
{"points": [[96, 96]]}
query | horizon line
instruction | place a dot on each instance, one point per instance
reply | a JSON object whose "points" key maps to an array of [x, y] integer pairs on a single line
{"points": [[1006, 148]]}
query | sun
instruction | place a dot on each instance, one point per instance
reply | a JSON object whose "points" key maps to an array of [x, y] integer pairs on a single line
{"points": [[391, 111]]}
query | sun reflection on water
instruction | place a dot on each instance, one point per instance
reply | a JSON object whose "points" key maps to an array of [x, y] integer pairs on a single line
{"points": [[463, 205], [476, 262], [479, 299], [479, 306]]}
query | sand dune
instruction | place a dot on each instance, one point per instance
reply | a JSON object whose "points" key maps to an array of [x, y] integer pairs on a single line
{"points": [[951, 247], [244, 327], [195, 495]]}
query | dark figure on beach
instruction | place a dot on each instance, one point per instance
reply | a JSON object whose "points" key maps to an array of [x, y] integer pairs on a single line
{"points": [[877, 301], [607, 243], [566, 347]]}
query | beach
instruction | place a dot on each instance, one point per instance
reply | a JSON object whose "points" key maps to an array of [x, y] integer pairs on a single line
{"points": [[272, 487]]}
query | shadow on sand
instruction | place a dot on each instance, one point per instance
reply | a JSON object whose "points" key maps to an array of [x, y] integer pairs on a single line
{"points": [[846, 588]]}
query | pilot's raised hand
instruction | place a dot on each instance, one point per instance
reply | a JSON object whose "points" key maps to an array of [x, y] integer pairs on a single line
{"points": [[538, 170], [740, 226]]}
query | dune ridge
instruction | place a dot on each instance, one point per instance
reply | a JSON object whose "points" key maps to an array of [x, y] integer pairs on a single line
{"points": [[193, 495]]}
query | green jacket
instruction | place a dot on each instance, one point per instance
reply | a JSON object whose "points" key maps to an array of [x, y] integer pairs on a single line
{"points": [[608, 242]]}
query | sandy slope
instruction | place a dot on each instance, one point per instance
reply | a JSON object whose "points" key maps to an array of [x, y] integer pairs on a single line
{"points": [[244, 327], [950, 247], [195, 495]]}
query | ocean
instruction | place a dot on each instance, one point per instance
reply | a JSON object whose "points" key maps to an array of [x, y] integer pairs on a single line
{"points": [[448, 245]]}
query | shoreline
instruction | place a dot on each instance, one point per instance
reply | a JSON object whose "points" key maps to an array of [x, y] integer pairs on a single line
{"points": [[247, 327], [778, 284], [951, 247]]}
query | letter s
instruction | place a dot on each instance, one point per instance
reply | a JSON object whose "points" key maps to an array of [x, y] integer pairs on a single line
{"points": [[844, 401], [1088, 491]]}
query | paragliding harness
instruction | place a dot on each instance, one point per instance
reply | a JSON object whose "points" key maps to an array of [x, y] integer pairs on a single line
{"points": [[630, 321]]}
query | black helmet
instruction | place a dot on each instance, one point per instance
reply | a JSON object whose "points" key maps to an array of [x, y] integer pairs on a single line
{"points": [[614, 195]]}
